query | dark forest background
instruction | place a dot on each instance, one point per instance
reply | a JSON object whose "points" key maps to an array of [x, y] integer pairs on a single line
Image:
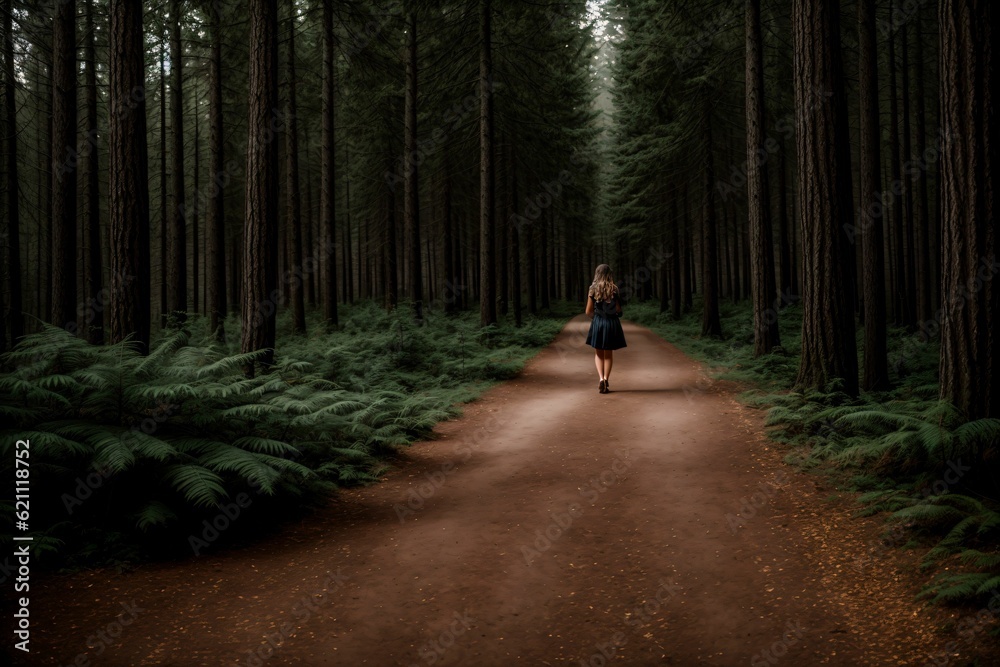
{"points": [[261, 245]]}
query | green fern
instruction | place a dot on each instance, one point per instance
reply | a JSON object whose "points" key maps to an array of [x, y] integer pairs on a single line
{"points": [[198, 485]]}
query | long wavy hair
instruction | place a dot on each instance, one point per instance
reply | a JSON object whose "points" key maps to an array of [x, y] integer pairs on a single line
{"points": [[603, 286]]}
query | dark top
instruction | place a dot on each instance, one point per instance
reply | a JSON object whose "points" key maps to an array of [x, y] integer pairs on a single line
{"points": [[607, 308]]}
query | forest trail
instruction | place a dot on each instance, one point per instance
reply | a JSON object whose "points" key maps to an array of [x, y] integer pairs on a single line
{"points": [[550, 525]]}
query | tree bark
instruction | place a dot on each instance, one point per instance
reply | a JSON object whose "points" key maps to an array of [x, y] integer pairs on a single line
{"points": [[328, 183], [93, 313], [875, 374], [762, 287], [12, 311], [64, 166], [968, 171], [787, 271], [829, 350], [710, 322], [451, 278], [676, 262], [260, 227], [177, 269], [390, 267], [906, 181], [195, 211], [920, 201], [293, 222], [900, 311], [215, 240], [411, 204], [487, 219], [515, 242], [164, 310], [128, 194]]}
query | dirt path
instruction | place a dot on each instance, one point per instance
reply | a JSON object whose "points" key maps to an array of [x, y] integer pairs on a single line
{"points": [[550, 525]]}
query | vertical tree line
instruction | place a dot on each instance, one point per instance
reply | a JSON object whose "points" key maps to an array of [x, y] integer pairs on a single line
{"points": [[911, 251]]}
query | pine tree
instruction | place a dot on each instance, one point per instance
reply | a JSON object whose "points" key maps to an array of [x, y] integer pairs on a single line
{"points": [[260, 229], [829, 350], [127, 180]]}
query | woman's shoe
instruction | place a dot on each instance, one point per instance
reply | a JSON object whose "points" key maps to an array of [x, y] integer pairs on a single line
{"points": [[602, 387], [607, 386]]}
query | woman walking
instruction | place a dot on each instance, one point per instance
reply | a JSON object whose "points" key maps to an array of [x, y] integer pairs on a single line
{"points": [[604, 305]]}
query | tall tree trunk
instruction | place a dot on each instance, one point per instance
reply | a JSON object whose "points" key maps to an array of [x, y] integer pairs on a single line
{"points": [[711, 325], [328, 183], [762, 289], [515, 239], [920, 201], [93, 320], [411, 204], [128, 194], [875, 375], [910, 253], [13, 315], [390, 262], [177, 269], [292, 198], [164, 233], [308, 231], [451, 277], [64, 160], [215, 240], [687, 252], [968, 171], [503, 235], [664, 269], [195, 210], [529, 245], [260, 227], [901, 315], [676, 262], [487, 219], [347, 226], [787, 270], [543, 265], [829, 350]]}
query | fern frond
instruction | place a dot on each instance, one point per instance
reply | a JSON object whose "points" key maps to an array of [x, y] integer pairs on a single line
{"points": [[154, 513], [200, 486]]}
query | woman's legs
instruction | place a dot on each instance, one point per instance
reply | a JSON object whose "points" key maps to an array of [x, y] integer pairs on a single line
{"points": [[599, 362], [608, 360]]}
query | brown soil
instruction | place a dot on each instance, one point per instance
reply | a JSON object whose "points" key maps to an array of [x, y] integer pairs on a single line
{"points": [[550, 525]]}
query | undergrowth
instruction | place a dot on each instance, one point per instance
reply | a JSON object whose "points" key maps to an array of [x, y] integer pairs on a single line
{"points": [[912, 458], [129, 454]]}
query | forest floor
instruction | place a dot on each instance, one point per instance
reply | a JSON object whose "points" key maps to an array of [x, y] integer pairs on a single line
{"points": [[549, 525]]}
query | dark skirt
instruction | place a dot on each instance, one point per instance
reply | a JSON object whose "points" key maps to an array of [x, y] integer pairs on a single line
{"points": [[606, 333]]}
